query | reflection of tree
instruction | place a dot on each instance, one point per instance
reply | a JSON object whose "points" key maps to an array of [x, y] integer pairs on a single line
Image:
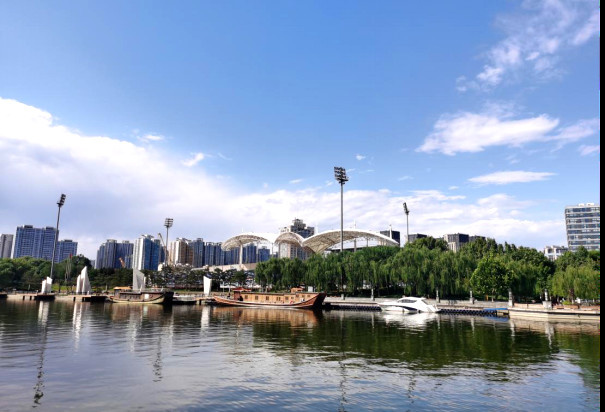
{"points": [[441, 342]]}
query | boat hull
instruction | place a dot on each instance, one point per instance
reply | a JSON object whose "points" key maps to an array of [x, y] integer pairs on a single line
{"points": [[555, 315], [314, 301], [143, 298]]}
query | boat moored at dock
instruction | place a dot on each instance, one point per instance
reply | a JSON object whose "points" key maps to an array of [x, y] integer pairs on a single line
{"points": [[408, 304], [291, 300], [127, 295], [139, 294]]}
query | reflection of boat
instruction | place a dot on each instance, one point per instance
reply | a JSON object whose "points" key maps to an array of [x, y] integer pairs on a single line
{"points": [[295, 318], [409, 319], [292, 300], [184, 299], [138, 293], [408, 304], [577, 328]]}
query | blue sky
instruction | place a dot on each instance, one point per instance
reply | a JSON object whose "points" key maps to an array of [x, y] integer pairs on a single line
{"points": [[230, 116]]}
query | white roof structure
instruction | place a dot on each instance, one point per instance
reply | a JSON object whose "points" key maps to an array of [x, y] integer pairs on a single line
{"points": [[245, 238], [316, 243], [322, 241]]}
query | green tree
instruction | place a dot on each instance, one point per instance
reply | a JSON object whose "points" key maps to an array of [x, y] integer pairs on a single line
{"points": [[491, 277]]}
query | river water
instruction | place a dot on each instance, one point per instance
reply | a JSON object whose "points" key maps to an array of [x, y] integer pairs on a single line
{"points": [[82, 356]]}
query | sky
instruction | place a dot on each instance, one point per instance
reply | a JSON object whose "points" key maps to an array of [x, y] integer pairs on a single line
{"points": [[230, 116]]}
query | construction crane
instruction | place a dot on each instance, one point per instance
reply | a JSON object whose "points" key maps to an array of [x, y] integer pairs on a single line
{"points": [[166, 260]]}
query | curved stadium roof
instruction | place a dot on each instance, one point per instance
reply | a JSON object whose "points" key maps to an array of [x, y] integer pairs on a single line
{"points": [[322, 241], [316, 243]]}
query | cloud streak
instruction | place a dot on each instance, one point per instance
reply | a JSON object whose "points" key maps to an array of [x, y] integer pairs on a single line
{"points": [[507, 177], [535, 39], [197, 157], [475, 132]]}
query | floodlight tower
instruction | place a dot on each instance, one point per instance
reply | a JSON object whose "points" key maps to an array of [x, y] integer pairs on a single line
{"points": [[340, 174], [60, 203], [168, 224], [407, 222]]}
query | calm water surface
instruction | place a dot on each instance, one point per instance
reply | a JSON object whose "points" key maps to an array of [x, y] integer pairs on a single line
{"points": [[77, 356]]}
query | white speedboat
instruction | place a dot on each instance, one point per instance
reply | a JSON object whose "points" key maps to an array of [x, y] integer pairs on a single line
{"points": [[408, 304]]}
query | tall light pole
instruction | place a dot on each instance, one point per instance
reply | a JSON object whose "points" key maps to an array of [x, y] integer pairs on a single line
{"points": [[407, 222], [168, 224], [340, 174], [60, 203]]}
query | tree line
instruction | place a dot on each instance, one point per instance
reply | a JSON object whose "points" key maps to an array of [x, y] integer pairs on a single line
{"points": [[427, 267], [421, 268]]}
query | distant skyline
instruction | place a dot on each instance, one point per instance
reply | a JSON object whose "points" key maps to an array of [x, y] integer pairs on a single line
{"points": [[482, 116]]}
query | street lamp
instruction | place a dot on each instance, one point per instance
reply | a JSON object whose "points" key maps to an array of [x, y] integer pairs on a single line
{"points": [[407, 222], [168, 224], [60, 203]]}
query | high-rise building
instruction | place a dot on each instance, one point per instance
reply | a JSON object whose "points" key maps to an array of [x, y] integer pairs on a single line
{"points": [[264, 254], [181, 252], [456, 240], [34, 242], [292, 251], [6, 245], [65, 249], [197, 250], [231, 257], [249, 253], [148, 253], [112, 254], [213, 254], [583, 224]]}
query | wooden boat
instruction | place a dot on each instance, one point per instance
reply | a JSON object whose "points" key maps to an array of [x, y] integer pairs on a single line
{"points": [[138, 293], [127, 295], [292, 300]]}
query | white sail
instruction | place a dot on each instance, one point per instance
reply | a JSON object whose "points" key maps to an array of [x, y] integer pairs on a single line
{"points": [[138, 280], [47, 285], [207, 285], [82, 282]]}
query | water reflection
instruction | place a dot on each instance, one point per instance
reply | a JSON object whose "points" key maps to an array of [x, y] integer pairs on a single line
{"points": [[409, 320], [43, 308], [211, 358]]}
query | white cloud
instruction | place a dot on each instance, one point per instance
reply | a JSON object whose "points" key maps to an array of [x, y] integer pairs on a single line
{"points": [[535, 38], [506, 177], [588, 150], [197, 157], [580, 130], [151, 138], [117, 189], [590, 29], [453, 188], [360, 157], [406, 177], [475, 132], [295, 181]]}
